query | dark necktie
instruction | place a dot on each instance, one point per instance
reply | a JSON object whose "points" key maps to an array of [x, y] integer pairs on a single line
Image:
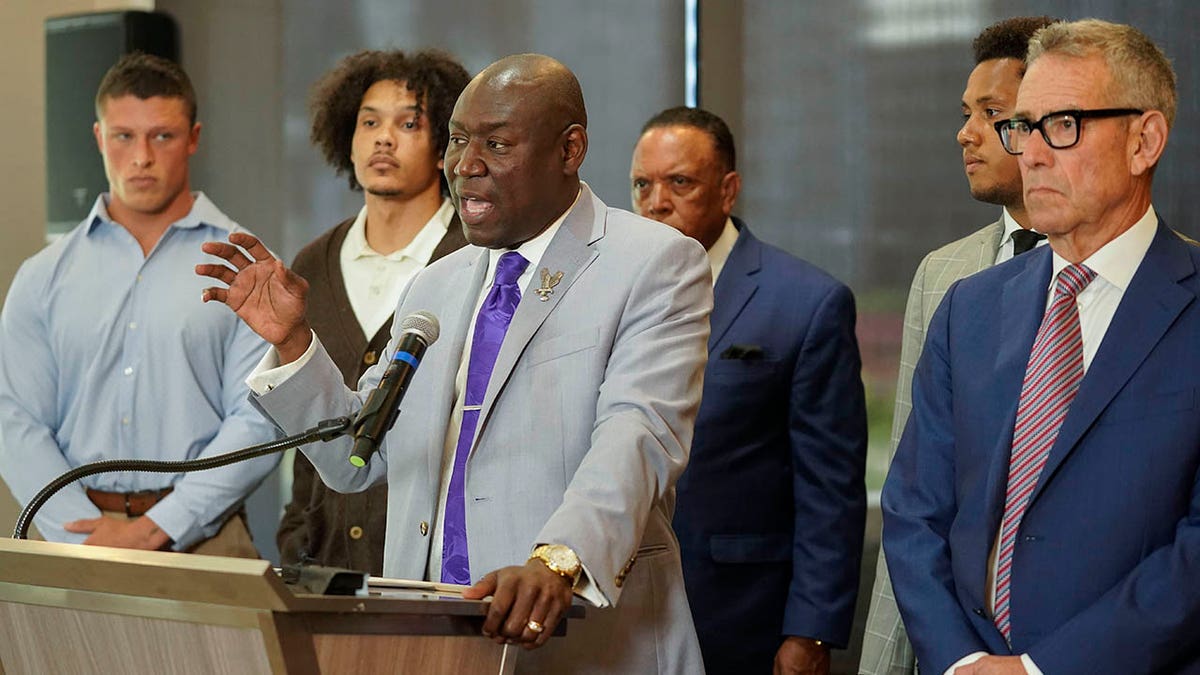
{"points": [[1052, 378], [1024, 240], [490, 326]]}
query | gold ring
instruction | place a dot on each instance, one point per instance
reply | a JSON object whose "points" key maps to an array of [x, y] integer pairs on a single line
{"points": [[534, 626]]}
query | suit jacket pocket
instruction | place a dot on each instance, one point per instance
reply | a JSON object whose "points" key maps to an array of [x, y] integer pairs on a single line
{"points": [[562, 345], [740, 371], [1133, 407], [750, 548]]}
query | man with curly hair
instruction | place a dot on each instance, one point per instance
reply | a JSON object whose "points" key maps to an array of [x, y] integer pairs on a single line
{"points": [[380, 118], [995, 178]]}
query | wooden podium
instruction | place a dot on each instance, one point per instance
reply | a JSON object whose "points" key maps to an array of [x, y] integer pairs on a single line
{"points": [[82, 609]]}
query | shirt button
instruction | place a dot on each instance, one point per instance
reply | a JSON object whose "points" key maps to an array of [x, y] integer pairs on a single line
{"points": [[424, 528], [369, 358], [129, 371], [356, 532], [125, 420], [132, 325]]}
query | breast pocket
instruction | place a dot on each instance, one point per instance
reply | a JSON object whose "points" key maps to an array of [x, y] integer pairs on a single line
{"points": [[740, 372], [562, 345]]}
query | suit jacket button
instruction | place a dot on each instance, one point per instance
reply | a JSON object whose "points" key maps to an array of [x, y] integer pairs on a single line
{"points": [[356, 532], [369, 358], [424, 528]]}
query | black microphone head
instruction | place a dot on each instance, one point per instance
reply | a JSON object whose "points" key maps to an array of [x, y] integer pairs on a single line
{"points": [[423, 323]]}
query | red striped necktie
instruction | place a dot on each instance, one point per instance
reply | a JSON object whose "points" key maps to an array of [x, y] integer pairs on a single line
{"points": [[1052, 378]]}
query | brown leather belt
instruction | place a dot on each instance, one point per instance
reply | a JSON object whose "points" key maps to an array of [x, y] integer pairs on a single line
{"points": [[132, 504]]}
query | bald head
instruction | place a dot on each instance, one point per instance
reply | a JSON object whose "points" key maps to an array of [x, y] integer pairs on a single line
{"points": [[556, 89], [518, 135]]}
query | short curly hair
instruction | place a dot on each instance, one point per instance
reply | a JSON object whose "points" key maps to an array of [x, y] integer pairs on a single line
{"points": [[1008, 39], [435, 76]]}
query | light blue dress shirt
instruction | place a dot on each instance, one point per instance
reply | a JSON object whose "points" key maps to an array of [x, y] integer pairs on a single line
{"points": [[106, 353]]}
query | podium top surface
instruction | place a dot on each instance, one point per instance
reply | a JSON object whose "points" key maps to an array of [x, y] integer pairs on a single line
{"points": [[187, 577]]}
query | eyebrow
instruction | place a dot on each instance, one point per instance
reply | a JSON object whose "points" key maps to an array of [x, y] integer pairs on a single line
{"points": [[483, 127], [368, 108], [987, 98]]}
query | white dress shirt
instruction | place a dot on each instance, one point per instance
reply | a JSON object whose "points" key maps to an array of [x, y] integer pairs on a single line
{"points": [[374, 281], [721, 248]]}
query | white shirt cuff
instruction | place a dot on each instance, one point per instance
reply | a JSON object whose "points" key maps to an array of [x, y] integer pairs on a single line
{"points": [[268, 374], [966, 660], [1030, 667], [589, 590]]}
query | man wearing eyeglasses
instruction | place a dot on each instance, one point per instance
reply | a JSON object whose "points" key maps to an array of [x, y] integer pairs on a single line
{"points": [[995, 178], [1043, 510]]}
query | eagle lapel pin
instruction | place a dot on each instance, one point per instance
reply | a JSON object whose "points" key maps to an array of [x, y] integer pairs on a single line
{"points": [[548, 283]]}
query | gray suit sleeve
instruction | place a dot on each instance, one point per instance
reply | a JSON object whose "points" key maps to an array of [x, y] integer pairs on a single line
{"points": [[645, 414]]}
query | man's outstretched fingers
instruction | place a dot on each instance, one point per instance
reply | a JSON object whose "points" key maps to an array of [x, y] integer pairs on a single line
{"points": [[252, 246]]}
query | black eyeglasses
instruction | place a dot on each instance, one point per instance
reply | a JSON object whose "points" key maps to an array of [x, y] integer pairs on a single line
{"points": [[1060, 129]]}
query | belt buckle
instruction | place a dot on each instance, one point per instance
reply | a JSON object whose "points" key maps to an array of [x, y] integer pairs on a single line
{"points": [[153, 495]]}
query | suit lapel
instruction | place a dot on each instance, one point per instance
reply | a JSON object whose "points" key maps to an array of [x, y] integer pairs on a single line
{"points": [[989, 246], [736, 285], [570, 253], [1150, 305], [462, 290], [1022, 304]]}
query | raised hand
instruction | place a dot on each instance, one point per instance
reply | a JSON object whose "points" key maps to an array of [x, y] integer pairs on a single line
{"points": [[268, 296]]}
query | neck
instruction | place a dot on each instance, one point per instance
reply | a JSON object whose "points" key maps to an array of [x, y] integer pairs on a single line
{"points": [[393, 223], [1019, 214], [148, 228]]}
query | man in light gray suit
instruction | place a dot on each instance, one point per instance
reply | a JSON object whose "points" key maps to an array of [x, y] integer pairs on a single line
{"points": [[995, 178], [553, 472]]}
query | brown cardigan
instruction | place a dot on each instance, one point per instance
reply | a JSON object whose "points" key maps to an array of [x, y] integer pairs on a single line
{"points": [[320, 525]]}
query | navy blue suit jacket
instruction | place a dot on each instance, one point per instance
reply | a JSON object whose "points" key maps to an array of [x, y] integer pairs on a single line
{"points": [[1106, 570], [771, 507]]}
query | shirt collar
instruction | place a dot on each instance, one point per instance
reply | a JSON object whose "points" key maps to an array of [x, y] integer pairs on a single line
{"points": [[203, 212], [535, 248], [1010, 226], [721, 248], [1118, 260], [419, 249]]}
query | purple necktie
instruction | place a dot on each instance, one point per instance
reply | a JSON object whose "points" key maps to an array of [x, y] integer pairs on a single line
{"points": [[490, 325]]}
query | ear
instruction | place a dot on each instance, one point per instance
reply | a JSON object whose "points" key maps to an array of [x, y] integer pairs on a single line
{"points": [[731, 185], [99, 138], [1147, 140], [194, 139], [574, 148]]}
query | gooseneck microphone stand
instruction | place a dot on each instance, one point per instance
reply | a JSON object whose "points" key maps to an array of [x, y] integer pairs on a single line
{"points": [[326, 430]]}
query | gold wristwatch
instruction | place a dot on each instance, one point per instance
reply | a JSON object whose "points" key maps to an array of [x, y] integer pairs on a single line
{"points": [[561, 560]]}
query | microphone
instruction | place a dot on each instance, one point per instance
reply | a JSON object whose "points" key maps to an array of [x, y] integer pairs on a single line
{"points": [[417, 331]]}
